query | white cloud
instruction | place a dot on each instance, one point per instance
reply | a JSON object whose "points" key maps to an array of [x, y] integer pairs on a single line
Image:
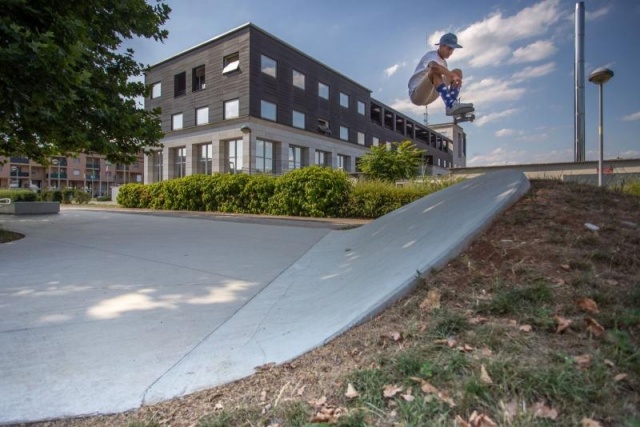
{"points": [[503, 156], [505, 132], [391, 70], [488, 42], [492, 117], [533, 52], [533, 72], [592, 16], [632, 117], [491, 91], [407, 107]]}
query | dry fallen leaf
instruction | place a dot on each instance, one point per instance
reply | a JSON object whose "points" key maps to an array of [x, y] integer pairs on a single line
{"points": [[408, 397], [459, 422], [510, 409], [396, 336], [620, 377], [594, 327], [391, 390], [589, 305], [588, 422], [525, 328], [351, 392], [609, 363], [318, 402], [481, 420], [540, 410], [484, 376], [486, 351], [565, 267], [479, 320], [583, 361], [563, 324], [432, 301]]}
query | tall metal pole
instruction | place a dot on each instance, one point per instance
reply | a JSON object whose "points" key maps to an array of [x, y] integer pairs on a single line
{"points": [[579, 146], [600, 133]]}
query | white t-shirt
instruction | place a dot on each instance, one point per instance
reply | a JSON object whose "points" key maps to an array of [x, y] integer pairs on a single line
{"points": [[423, 68]]}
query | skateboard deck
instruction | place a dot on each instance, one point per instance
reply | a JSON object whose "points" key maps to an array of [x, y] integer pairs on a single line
{"points": [[467, 117]]}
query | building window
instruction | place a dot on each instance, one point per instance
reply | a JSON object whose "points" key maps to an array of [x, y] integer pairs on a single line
{"points": [[298, 119], [344, 133], [342, 162], [322, 158], [205, 158], [323, 127], [298, 79], [268, 66], [235, 159], [197, 80], [156, 90], [231, 109], [180, 162], [268, 110], [264, 156], [231, 63], [361, 138], [176, 121], [180, 84], [295, 157], [156, 162], [344, 100], [202, 116], [323, 90], [376, 142], [361, 108]]}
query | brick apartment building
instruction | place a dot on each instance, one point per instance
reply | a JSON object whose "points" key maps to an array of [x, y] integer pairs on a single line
{"points": [[91, 173], [245, 101]]}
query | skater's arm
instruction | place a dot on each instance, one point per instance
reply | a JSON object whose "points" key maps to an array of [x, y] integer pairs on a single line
{"points": [[444, 71]]}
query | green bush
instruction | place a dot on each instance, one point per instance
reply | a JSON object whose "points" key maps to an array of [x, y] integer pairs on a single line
{"points": [[104, 198], [67, 195], [19, 195], [632, 187], [312, 191], [81, 196], [373, 199], [51, 196], [132, 196], [257, 193]]}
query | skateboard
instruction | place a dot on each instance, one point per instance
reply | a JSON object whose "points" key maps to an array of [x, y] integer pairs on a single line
{"points": [[465, 115]]}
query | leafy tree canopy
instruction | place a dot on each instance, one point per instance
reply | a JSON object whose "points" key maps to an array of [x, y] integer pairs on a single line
{"points": [[399, 161], [65, 83]]}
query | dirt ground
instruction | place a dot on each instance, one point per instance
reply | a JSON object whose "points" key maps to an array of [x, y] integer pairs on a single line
{"points": [[581, 241]]}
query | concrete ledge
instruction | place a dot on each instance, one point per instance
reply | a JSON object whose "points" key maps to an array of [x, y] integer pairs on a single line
{"points": [[30, 208]]}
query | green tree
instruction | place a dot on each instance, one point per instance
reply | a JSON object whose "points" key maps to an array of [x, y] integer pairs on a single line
{"points": [[400, 161], [65, 79]]}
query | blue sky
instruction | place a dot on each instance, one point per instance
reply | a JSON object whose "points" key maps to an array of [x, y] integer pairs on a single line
{"points": [[517, 56]]}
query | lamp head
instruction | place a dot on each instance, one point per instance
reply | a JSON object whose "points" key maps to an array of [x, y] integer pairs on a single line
{"points": [[245, 129], [600, 75]]}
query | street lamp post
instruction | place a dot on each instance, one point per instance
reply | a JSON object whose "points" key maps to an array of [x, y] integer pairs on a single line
{"points": [[14, 171], [57, 162], [600, 76]]}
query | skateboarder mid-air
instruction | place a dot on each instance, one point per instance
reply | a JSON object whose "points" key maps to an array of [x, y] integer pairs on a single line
{"points": [[432, 78]]}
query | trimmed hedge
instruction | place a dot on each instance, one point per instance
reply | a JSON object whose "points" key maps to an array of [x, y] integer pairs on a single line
{"points": [[19, 195], [312, 191]]}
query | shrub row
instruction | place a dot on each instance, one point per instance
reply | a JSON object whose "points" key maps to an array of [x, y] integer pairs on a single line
{"points": [[311, 192], [66, 195]]}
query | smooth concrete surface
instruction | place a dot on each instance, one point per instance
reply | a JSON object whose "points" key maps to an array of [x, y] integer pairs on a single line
{"points": [[103, 311]]}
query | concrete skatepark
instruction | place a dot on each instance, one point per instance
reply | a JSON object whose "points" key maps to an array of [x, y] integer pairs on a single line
{"points": [[105, 311]]}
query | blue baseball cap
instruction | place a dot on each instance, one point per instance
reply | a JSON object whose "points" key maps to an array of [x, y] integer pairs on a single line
{"points": [[450, 40]]}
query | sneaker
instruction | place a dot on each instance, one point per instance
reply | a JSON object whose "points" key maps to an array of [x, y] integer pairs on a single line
{"points": [[459, 108]]}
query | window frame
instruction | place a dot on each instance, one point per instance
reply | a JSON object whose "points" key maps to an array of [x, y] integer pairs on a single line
{"points": [[198, 111], [229, 103], [293, 119], [321, 87], [173, 121], [231, 63], [180, 84], [304, 79], [155, 85], [198, 79], [264, 103], [265, 69]]}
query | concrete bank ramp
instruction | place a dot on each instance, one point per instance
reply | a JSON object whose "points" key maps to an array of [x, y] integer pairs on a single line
{"points": [[344, 279]]}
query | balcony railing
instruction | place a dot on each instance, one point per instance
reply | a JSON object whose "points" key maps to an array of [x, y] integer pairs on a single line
{"points": [[93, 165], [23, 160], [54, 175]]}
